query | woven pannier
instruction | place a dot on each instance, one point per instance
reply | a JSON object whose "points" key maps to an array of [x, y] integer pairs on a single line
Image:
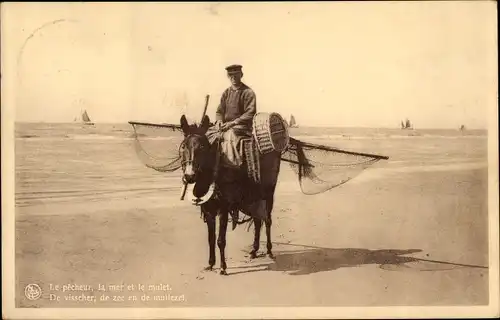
{"points": [[270, 132]]}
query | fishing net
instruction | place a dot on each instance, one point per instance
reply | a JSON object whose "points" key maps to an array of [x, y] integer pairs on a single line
{"points": [[321, 168], [157, 145]]}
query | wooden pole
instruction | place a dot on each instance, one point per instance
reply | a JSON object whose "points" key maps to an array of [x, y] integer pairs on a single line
{"points": [[207, 97], [184, 189]]}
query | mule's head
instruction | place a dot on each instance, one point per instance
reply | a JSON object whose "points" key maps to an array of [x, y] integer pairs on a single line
{"points": [[195, 149]]}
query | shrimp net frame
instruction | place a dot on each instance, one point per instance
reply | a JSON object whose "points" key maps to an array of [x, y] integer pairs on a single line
{"points": [[319, 168]]}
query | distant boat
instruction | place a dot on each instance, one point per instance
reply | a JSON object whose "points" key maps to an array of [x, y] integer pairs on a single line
{"points": [[292, 123], [406, 125], [85, 119], [462, 128]]}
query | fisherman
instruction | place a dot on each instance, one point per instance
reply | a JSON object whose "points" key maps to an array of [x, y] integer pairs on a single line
{"points": [[234, 118], [234, 115]]}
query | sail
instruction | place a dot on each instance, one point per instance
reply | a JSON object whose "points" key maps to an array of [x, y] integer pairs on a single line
{"points": [[85, 116], [408, 124], [292, 121]]}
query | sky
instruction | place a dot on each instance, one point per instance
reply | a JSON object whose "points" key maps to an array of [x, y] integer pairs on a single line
{"points": [[329, 64]]}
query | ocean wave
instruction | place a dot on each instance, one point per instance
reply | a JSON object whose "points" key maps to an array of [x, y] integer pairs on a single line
{"points": [[93, 137], [28, 136], [119, 137], [72, 137], [158, 138]]}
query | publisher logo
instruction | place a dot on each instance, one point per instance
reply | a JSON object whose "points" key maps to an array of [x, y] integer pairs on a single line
{"points": [[33, 291]]}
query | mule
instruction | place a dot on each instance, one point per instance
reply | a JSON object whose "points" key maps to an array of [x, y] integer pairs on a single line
{"points": [[233, 190]]}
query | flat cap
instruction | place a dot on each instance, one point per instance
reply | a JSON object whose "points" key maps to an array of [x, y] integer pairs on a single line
{"points": [[234, 68]]}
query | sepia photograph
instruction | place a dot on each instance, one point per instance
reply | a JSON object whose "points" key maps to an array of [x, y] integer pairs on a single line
{"points": [[249, 160]]}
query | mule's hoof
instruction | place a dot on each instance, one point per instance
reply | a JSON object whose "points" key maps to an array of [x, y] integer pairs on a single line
{"points": [[223, 272], [253, 255], [209, 268], [270, 255]]}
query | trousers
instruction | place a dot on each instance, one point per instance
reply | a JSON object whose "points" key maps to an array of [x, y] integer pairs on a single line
{"points": [[231, 148]]}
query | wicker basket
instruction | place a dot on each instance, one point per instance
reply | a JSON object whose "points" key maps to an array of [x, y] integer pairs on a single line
{"points": [[270, 132], [252, 159]]}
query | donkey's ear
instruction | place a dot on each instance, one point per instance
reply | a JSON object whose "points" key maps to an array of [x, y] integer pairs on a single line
{"points": [[205, 124], [184, 124]]}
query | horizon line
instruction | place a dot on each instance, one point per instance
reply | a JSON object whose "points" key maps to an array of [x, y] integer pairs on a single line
{"points": [[303, 126]]}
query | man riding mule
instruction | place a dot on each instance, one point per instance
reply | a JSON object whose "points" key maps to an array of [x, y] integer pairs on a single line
{"points": [[201, 165], [234, 164]]}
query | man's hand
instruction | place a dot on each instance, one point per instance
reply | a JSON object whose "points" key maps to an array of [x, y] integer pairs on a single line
{"points": [[218, 125], [228, 125]]}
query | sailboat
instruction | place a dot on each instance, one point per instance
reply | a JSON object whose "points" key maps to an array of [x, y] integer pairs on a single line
{"points": [[86, 119], [292, 123], [406, 125]]}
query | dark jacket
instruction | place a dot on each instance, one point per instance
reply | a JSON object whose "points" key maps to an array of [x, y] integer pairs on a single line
{"points": [[239, 105]]}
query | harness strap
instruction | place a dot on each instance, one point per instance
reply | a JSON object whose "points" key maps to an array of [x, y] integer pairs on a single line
{"points": [[217, 156]]}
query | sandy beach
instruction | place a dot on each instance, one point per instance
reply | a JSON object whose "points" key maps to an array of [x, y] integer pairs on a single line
{"points": [[410, 231]]}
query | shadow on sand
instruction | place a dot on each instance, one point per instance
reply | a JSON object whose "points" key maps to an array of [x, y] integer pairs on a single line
{"points": [[312, 259]]}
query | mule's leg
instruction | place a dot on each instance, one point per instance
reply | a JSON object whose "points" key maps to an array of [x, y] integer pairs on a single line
{"points": [[210, 218], [256, 238], [221, 241], [269, 223]]}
